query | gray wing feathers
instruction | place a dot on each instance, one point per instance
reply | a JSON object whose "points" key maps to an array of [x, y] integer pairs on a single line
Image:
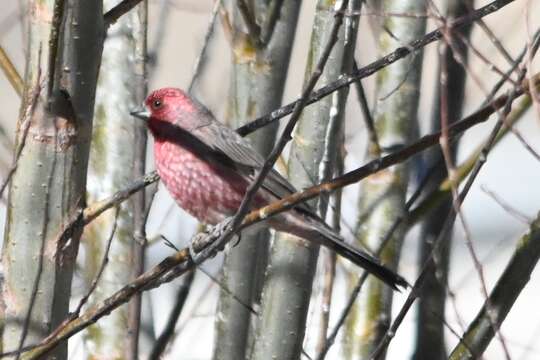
{"points": [[247, 159]]}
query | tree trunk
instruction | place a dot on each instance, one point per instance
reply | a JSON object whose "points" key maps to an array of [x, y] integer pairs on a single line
{"points": [[382, 196], [431, 304], [256, 89], [48, 188], [292, 263], [114, 157]]}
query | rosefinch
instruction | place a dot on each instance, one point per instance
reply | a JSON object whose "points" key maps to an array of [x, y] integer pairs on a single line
{"points": [[207, 168]]}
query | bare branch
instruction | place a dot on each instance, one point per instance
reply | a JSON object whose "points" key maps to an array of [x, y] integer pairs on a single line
{"points": [[168, 331], [514, 278], [449, 222], [25, 125], [374, 147], [506, 206], [254, 30], [199, 62], [116, 12], [11, 72], [177, 264], [375, 66], [104, 263]]}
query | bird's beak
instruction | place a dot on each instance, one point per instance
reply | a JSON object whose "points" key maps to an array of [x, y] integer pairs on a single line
{"points": [[141, 113]]}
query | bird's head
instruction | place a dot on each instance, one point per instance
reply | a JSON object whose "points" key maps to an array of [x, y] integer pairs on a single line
{"points": [[170, 106]]}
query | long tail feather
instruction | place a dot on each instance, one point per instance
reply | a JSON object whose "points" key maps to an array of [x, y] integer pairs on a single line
{"points": [[364, 260], [313, 229]]}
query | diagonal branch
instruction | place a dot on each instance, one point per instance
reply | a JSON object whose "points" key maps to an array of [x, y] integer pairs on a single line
{"points": [[375, 66], [11, 72], [120, 9], [286, 135], [254, 30], [503, 296], [177, 264]]}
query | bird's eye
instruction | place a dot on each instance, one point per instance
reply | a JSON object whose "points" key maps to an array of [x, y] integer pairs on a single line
{"points": [[156, 104]]}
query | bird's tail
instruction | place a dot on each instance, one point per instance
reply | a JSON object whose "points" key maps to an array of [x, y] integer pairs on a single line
{"points": [[313, 229]]}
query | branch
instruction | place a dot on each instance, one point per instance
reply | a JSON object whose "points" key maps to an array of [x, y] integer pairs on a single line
{"points": [[200, 59], [297, 111], [11, 72], [449, 222], [272, 16], [254, 30], [375, 66], [177, 264], [502, 297], [161, 342], [96, 209], [116, 12]]}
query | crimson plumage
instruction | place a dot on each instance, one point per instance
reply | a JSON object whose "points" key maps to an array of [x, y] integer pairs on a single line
{"points": [[207, 167]]}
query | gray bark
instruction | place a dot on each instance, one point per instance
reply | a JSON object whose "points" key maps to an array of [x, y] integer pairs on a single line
{"points": [[503, 296], [256, 89], [48, 188], [113, 161], [382, 196], [289, 276], [431, 304]]}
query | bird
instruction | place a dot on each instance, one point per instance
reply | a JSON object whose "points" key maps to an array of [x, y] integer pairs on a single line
{"points": [[207, 167]]}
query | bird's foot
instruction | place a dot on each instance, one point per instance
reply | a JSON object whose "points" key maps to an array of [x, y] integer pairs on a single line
{"points": [[208, 243]]}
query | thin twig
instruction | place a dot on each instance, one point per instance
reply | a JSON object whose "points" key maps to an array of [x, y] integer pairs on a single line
{"points": [[495, 41], [354, 293], [97, 208], [383, 345], [104, 263], [448, 160], [168, 331], [199, 62], [272, 17], [25, 125], [254, 30], [374, 147], [116, 12], [375, 66], [11, 72], [515, 213], [330, 263]]}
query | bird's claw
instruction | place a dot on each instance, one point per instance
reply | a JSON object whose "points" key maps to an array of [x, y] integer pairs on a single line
{"points": [[238, 239], [207, 244]]}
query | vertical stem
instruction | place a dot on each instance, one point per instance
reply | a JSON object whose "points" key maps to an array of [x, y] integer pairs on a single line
{"points": [[382, 196], [256, 88], [114, 158], [139, 166], [48, 187], [430, 342], [289, 276]]}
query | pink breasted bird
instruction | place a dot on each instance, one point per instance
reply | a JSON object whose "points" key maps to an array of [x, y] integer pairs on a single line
{"points": [[207, 167]]}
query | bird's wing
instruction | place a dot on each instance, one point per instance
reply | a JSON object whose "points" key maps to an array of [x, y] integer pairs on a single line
{"points": [[244, 157]]}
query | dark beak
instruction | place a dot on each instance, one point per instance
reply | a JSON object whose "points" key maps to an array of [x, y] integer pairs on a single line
{"points": [[141, 113]]}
